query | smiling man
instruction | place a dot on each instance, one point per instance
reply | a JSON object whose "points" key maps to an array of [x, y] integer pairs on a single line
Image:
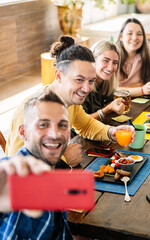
{"points": [[45, 132]]}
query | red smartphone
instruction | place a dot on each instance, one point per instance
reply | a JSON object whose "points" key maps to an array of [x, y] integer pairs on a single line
{"points": [[100, 151], [55, 190]]}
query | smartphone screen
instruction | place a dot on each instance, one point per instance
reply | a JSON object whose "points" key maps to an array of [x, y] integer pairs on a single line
{"points": [[99, 151]]}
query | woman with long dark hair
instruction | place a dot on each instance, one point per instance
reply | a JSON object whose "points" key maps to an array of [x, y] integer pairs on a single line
{"points": [[135, 60]]}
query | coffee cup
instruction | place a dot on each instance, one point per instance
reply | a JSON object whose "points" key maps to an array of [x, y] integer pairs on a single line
{"points": [[139, 137]]}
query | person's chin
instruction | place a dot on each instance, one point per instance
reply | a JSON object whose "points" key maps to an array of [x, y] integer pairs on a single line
{"points": [[79, 100], [50, 155], [53, 159]]}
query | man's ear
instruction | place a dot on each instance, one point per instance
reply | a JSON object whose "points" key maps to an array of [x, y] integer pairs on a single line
{"points": [[58, 75], [22, 134]]}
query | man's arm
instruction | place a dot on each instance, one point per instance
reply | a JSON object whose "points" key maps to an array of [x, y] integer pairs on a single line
{"points": [[22, 166], [87, 126]]}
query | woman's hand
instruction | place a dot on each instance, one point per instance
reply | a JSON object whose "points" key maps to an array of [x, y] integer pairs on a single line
{"points": [[146, 88], [118, 105]]}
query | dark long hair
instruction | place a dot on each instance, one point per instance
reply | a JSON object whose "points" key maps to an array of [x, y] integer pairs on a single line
{"points": [[143, 50]]}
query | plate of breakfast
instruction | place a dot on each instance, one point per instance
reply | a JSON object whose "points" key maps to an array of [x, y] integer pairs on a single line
{"points": [[114, 168]]}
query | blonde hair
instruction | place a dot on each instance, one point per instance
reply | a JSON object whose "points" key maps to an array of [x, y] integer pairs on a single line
{"points": [[98, 48]]}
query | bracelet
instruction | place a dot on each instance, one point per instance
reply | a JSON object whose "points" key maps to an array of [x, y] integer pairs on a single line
{"points": [[142, 90], [100, 114]]}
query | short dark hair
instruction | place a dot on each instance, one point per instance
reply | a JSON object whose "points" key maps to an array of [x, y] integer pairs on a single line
{"points": [[45, 95]]}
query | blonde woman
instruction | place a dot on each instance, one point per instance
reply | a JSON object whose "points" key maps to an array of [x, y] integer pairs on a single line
{"points": [[99, 102]]}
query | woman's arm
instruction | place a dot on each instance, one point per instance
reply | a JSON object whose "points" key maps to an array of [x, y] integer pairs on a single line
{"points": [[138, 90], [115, 106]]}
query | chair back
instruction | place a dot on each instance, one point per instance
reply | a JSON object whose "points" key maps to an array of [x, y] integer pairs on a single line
{"points": [[2, 141]]}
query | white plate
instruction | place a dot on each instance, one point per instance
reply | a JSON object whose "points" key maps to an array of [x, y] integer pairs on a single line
{"points": [[147, 125], [137, 158]]}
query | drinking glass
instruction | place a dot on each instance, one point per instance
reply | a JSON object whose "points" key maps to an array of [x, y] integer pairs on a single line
{"points": [[123, 137], [126, 96]]}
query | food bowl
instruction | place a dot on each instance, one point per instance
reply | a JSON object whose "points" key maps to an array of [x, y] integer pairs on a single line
{"points": [[126, 163], [148, 116]]}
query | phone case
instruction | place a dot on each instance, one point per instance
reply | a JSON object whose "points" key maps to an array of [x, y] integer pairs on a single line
{"points": [[108, 150], [55, 190]]}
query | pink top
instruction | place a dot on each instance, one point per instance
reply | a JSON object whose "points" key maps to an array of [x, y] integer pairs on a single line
{"points": [[133, 69]]}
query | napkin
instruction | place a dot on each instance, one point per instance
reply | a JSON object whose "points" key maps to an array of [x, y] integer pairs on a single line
{"points": [[140, 100], [121, 118]]}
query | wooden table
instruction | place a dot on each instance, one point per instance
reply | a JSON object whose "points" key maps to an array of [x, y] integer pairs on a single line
{"points": [[112, 218]]}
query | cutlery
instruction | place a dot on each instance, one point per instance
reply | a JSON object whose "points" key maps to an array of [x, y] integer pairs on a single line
{"points": [[125, 180], [120, 154]]}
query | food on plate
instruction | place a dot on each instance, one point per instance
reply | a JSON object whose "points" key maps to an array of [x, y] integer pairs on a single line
{"points": [[122, 172], [99, 174], [147, 125], [119, 173], [125, 161], [114, 157], [136, 158], [104, 170], [109, 169], [117, 176], [102, 167], [113, 165], [126, 164]]}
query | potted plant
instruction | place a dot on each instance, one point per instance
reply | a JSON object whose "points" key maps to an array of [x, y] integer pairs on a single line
{"points": [[70, 13]]}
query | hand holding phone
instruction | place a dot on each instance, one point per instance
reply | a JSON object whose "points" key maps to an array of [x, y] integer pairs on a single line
{"points": [[55, 190]]}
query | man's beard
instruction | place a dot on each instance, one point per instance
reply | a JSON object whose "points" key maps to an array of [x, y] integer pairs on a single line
{"points": [[36, 152]]}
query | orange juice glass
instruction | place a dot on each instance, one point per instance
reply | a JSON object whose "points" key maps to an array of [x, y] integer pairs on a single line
{"points": [[123, 137]]}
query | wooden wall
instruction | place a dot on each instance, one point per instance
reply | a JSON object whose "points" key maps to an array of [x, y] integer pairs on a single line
{"points": [[26, 30]]}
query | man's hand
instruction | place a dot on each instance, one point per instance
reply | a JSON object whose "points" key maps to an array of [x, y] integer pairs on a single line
{"points": [[73, 154], [112, 131], [22, 166]]}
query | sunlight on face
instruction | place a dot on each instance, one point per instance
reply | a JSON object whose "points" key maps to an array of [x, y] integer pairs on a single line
{"points": [[106, 64], [78, 81], [48, 131], [132, 37]]}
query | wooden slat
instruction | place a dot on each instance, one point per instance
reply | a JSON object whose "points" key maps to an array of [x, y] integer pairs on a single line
{"points": [[27, 29]]}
